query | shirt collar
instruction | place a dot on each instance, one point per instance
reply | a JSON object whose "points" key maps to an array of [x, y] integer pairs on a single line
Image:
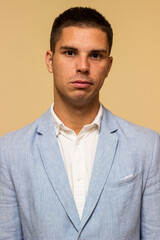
{"points": [[59, 124]]}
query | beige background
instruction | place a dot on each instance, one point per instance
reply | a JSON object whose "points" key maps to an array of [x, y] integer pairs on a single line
{"points": [[132, 89]]}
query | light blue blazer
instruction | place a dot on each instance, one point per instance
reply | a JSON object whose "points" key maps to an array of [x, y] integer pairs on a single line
{"points": [[123, 201]]}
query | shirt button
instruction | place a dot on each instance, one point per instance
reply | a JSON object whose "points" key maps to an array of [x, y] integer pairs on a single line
{"points": [[78, 178]]}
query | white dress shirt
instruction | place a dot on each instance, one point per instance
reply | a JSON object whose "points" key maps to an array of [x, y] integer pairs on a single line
{"points": [[78, 153]]}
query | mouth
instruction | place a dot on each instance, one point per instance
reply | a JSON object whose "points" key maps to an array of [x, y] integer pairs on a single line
{"points": [[81, 84]]}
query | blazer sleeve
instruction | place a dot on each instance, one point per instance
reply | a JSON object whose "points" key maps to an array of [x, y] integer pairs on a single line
{"points": [[150, 211], [10, 226]]}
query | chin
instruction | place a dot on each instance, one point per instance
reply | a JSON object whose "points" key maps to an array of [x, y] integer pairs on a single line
{"points": [[82, 102]]}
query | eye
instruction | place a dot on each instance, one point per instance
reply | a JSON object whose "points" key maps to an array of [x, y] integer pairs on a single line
{"points": [[70, 53], [95, 55]]}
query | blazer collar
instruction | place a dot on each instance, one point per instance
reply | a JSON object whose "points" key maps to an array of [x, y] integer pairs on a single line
{"points": [[108, 123], [45, 123]]}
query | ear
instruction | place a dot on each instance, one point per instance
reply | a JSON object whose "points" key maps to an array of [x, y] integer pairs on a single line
{"points": [[110, 63], [48, 59]]}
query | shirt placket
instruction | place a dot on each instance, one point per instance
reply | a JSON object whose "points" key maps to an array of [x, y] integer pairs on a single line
{"points": [[79, 176]]}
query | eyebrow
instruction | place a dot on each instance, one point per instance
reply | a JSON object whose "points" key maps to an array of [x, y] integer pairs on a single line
{"points": [[101, 50], [68, 48]]}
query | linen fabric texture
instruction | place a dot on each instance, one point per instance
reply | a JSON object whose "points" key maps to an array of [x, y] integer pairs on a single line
{"points": [[123, 199]]}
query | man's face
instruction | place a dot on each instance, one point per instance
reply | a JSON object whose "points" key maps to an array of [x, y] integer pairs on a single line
{"points": [[79, 65]]}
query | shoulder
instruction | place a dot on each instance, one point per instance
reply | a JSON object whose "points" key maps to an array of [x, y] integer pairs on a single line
{"points": [[127, 129], [133, 141], [25, 135]]}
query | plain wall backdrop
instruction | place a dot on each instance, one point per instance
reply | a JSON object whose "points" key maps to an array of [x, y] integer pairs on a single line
{"points": [[132, 89]]}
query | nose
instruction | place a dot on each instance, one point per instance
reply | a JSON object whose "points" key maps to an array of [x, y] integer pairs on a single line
{"points": [[82, 65]]}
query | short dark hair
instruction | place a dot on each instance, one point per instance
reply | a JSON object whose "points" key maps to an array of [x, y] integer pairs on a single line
{"points": [[81, 17]]}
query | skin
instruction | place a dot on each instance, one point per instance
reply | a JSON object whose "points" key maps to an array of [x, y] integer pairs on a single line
{"points": [[79, 65]]}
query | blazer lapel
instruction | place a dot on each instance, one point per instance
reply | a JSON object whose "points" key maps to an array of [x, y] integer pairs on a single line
{"points": [[54, 167], [104, 157]]}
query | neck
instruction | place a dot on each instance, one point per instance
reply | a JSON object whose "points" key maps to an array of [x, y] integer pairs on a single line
{"points": [[75, 117]]}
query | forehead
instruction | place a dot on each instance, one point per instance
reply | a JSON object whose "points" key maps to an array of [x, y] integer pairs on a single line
{"points": [[88, 37]]}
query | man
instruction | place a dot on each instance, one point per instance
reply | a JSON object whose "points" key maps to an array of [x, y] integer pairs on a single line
{"points": [[79, 172]]}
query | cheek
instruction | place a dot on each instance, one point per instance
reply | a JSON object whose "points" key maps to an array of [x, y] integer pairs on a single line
{"points": [[105, 71], [62, 70], [101, 73], [61, 77], [57, 71]]}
